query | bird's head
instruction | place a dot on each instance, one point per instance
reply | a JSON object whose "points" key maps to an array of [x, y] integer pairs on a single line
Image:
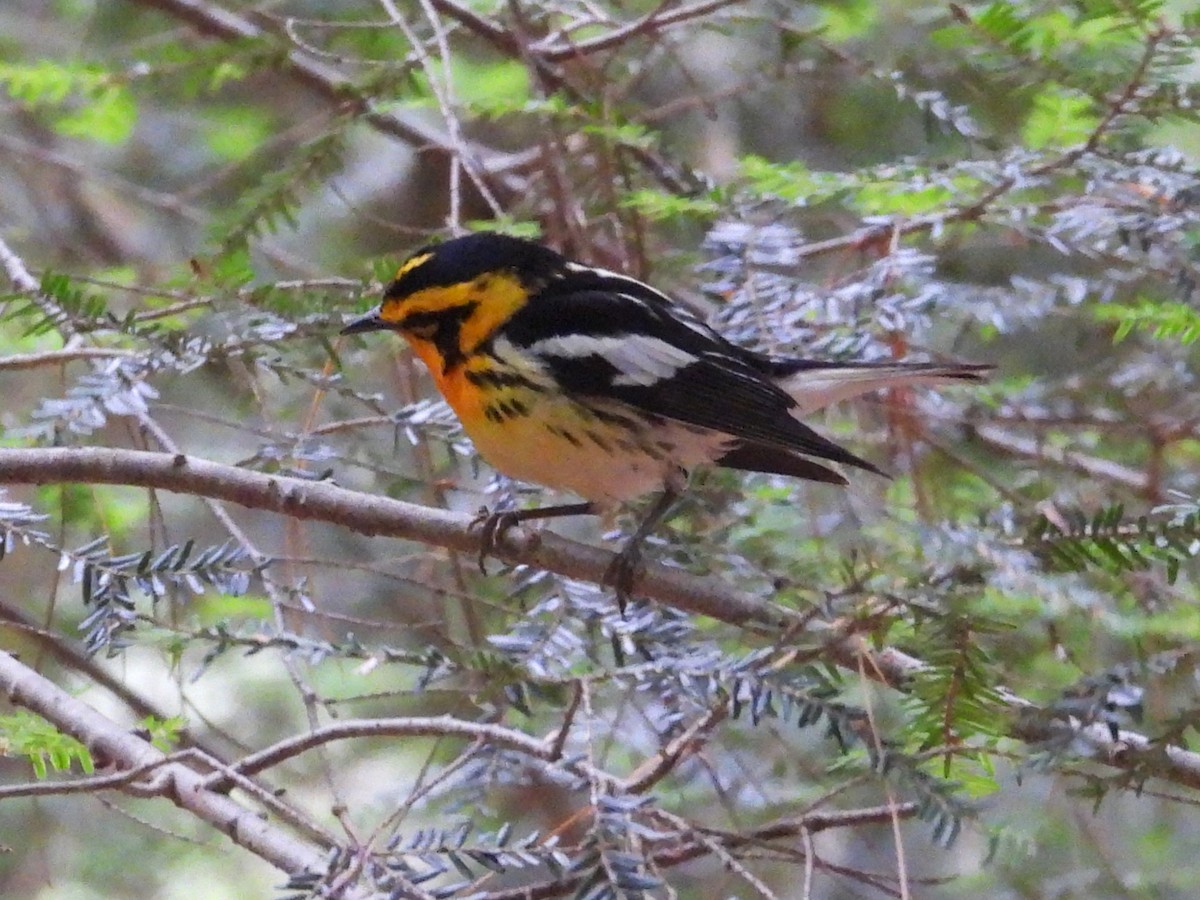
{"points": [[455, 294]]}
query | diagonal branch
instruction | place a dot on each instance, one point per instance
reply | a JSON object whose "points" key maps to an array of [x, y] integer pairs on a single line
{"points": [[372, 515], [118, 746], [334, 86], [1031, 448]]}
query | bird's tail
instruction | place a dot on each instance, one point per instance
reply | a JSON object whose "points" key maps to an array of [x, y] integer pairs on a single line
{"points": [[815, 385]]}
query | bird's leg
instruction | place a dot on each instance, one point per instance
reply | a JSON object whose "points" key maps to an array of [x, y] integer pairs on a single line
{"points": [[625, 565], [492, 525]]}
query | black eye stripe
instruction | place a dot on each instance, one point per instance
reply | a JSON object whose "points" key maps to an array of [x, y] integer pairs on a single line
{"points": [[441, 327], [439, 316], [421, 319]]}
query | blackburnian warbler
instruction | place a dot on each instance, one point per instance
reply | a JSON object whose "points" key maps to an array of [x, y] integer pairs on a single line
{"points": [[589, 381]]}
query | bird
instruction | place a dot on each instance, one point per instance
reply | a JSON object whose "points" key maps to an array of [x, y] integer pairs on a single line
{"points": [[589, 381]]}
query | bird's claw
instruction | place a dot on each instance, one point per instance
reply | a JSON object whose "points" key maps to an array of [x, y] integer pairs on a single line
{"points": [[491, 527], [621, 573]]}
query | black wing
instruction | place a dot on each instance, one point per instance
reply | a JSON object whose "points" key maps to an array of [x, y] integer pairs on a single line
{"points": [[604, 335]]}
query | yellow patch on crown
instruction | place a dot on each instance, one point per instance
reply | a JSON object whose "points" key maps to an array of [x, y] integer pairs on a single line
{"points": [[411, 263]]}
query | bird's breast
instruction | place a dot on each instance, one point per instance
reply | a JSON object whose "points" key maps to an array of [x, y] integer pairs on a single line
{"points": [[525, 426]]}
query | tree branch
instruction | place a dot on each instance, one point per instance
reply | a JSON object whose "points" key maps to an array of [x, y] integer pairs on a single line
{"points": [[334, 86], [111, 744], [411, 726], [1032, 448], [58, 357], [373, 515], [686, 850], [657, 20]]}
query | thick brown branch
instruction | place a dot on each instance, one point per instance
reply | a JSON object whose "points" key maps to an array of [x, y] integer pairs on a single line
{"points": [[114, 745], [371, 515]]}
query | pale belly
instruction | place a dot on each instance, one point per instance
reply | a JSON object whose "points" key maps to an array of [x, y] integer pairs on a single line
{"points": [[569, 447]]}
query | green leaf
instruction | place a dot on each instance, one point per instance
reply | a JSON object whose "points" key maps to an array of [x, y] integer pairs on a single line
{"points": [[45, 82], [87, 101], [848, 21], [1001, 21], [664, 206], [236, 132], [1171, 321], [498, 86], [1060, 117], [277, 196], [893, 198], [164, 733], [24, 734], [108, 118], [531, 230], [793, 182]]}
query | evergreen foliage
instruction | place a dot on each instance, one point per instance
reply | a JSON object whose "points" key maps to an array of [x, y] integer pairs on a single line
{"points": [[994, 651]]}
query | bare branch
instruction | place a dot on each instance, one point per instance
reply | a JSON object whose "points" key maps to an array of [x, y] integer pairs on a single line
{"points": [[1094, 467], [58, 357], [334, 86], [414, 726], [372, 515], [114, 745], [75, 785], [655, 21], [777, 830]]}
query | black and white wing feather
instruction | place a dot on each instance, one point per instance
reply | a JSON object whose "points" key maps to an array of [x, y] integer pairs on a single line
{"points": [[608, 336]]}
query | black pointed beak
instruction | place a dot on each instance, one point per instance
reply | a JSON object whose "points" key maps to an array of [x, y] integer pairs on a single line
{"points": [[371, 321]]}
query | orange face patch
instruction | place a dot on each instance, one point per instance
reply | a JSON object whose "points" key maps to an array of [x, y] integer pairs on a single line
{"points": [[495, 297]]}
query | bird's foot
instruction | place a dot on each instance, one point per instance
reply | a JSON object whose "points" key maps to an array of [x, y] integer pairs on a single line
{"points": [[622, 572], [492, 526]]}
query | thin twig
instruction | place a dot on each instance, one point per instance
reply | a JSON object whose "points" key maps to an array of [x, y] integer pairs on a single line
{"points": [[415, 726], [334, 86]]}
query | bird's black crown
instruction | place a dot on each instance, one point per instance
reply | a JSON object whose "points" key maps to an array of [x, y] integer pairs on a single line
{"points": [[466, 258]]}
